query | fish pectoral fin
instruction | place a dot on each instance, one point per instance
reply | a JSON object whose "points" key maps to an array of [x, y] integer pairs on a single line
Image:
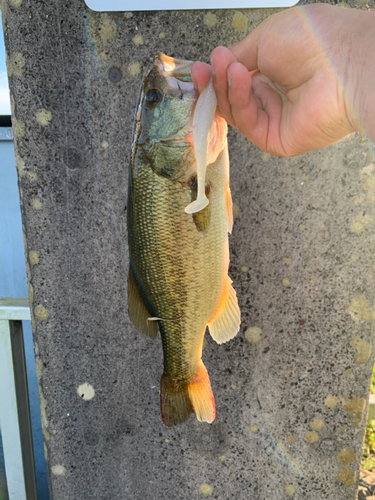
{"points": [[229, 210], [138, 312], [227, 319]]}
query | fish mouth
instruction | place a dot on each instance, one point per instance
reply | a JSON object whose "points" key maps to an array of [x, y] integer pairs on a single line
{"points": [[177, 68]]}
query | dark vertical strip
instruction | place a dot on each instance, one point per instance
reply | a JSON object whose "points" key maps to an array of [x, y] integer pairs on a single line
{"points": [[20, 377]]}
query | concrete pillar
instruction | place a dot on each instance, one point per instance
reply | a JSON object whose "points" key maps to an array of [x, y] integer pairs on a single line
{"points": [[292, 388]]}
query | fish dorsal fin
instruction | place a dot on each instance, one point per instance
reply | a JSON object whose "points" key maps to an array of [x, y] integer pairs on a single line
{"points": [[138, 312], [227, 319], [229, 210]]}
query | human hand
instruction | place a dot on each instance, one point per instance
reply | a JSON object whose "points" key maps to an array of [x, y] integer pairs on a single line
{"points": [[288, 85]]}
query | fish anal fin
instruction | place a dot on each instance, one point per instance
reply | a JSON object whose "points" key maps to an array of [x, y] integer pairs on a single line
{"points": [[229, 210], [138, 312], [226, 322], [201, 396]]}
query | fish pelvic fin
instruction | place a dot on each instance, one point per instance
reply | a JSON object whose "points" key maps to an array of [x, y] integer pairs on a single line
{"points": [[229, 204], [138, 312], [179, 400], [226, 322]]}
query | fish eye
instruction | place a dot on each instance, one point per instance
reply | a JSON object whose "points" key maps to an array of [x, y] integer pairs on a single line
{"points": [[153, 97]]}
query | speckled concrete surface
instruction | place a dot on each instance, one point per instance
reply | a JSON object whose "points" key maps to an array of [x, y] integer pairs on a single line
{"points": [[291, 389]]}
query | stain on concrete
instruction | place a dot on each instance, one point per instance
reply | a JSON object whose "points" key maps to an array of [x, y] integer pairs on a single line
{"points": [[254, 429], [240, 22], [359, 309], [206, 489], [162, 35], [244, 269], [317, 424], [266, 156], [360, 199], [236, 210], [134, 68], [286, 261], [286, 282], [355, 408], [32, 176], [347, 476], [43, 116], [43, 414], [360, 223], [346, 456], [138, 40], [349, 374], [58, 470], [253, 334], [20, 164], [34, 257], [16, 65], [290, 490], [311, 437], [363, 349], [15, 3], [39, 367], [107, 29], [41, 312], [331, 401], [210, 19], [368, 177], [86, 391], [19, 128], [36, 204]]}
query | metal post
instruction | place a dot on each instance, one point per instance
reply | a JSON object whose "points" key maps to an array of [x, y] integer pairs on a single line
{"points": [[14, 402]]}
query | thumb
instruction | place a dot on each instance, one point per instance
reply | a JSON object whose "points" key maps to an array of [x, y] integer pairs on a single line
{"points": [[201, 73]]}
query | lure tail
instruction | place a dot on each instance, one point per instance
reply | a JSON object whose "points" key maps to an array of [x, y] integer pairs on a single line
{"points": [[178, 400]]}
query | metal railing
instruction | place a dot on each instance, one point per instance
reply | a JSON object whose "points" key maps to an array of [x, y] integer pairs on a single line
{"points": [[15, 421]]}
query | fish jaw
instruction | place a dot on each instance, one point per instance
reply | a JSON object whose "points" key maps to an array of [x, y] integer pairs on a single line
{"points": [[177, 68]]}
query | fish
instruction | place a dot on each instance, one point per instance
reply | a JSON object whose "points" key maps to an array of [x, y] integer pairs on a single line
{"points": [[178, 281]]}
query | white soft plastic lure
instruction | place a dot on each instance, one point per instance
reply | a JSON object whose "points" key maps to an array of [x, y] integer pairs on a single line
{"points": [[202, 124]]}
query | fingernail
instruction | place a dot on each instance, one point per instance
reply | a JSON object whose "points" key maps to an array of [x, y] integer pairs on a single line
{"points": [[229, 79]]}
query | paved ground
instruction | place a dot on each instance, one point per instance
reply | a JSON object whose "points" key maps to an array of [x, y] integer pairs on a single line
{"points": [[366, 490]]}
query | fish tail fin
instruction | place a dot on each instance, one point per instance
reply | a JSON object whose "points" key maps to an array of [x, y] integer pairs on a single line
{"points": [[175, 405], [179, 400]]}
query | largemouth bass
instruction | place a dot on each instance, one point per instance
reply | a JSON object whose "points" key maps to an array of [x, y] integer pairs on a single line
{"points": [[178, 276]]}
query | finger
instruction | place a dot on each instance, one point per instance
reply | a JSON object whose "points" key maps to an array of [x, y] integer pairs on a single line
{"points": [[257, 113], [201, 73], [247, 115], [246, 51], [221, 58]]}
